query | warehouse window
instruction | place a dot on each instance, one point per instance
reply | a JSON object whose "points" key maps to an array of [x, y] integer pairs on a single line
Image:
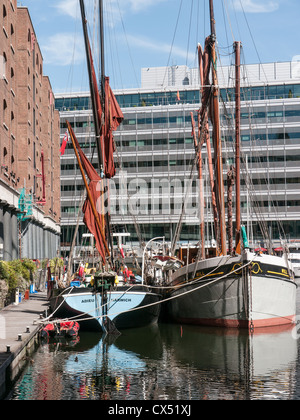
{"points": [[4, 109], [5, 157], [4, 61]]}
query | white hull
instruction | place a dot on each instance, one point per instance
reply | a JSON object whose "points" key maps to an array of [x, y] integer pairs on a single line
{"points": [[126, 308], [261, 295]]}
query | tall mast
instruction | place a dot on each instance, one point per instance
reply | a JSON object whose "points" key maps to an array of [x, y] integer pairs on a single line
{"points": [[99, 122], [198, 145], [217, 135], [204, 123], [212, 19], [237, 47], [92, 87], [102, 74], [103, 104]]}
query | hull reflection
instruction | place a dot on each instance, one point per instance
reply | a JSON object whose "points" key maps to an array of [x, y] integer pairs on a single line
{"points": [[165, 362]]}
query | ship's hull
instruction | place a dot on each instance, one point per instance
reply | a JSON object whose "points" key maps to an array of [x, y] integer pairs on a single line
{"points": [[261, 294], [126, 307]]}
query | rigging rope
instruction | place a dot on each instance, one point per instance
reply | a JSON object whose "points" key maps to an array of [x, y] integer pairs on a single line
{"points": [[172, 45]]}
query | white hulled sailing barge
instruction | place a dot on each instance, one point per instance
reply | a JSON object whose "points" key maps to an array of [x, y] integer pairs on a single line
{"points": [[237, 287], [128, 306]]}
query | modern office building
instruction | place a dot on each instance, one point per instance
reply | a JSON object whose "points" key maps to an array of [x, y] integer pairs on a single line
{"points": [[155, 152], [29, 143]]}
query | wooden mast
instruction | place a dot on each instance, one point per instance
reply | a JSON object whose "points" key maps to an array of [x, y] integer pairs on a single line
{"points": [[237, 47], [106, 218], [204, 124], [99, 123], [198, 147], [217, 135], [102, 64], [92, 87]]}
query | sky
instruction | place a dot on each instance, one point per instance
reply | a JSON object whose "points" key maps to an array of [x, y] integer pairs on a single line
{"points": [[151, 33]]}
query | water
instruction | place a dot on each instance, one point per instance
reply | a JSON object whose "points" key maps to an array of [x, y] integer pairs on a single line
{"points": [[166, 362]]}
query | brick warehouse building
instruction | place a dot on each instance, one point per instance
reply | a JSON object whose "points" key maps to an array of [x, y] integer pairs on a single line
{"points": [[29, 143]]}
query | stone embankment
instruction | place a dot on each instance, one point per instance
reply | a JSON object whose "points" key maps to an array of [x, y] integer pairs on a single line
{"points": [[19, 327]]}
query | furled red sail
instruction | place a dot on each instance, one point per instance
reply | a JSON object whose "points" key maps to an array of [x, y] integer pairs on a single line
{"points": [[95, 193], [204, 68], [112, 119]]}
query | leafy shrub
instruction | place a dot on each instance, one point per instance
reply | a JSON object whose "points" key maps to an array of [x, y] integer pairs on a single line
{"points": [[56, 264], [17, 273]]}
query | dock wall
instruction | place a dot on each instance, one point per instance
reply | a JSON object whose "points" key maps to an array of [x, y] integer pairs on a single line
{"points": [[19, 329]]}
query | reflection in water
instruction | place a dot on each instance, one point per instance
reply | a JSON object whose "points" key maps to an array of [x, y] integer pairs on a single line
{"points": [[165, 362]]}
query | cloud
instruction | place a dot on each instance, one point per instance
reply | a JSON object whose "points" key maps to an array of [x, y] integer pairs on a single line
{"points": [[251, 6], [71, 8], [140, 5], [61, 50], [159, 47], [68, 7]]}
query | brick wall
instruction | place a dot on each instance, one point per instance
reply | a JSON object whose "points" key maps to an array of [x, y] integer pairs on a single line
{"points": [[29, 124]]}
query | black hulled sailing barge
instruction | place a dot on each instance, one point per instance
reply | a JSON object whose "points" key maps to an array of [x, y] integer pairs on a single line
{"points": [[127, 306], [240, 288]]}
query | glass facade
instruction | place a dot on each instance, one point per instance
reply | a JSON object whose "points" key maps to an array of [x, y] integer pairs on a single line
{"points": [[127, 100], [156, 156]]}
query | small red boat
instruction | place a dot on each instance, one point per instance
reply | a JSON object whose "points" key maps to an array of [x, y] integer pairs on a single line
{"points": [[49, 330], [68, 329]]}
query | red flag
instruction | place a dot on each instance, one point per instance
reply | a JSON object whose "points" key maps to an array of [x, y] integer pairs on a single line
{"points": [[122, 251], [178, 96], [64, 143]]}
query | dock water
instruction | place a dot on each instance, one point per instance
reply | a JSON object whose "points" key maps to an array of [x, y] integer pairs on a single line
{"points": [[19, 327]]}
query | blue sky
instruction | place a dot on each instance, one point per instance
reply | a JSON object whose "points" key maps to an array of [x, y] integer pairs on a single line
{"points": [[147, 33]]}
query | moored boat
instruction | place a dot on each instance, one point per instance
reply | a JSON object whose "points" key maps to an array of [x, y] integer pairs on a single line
{"points": [[127, 306], [249, 291], [235, 288], [67, 329], [105, 306]]}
